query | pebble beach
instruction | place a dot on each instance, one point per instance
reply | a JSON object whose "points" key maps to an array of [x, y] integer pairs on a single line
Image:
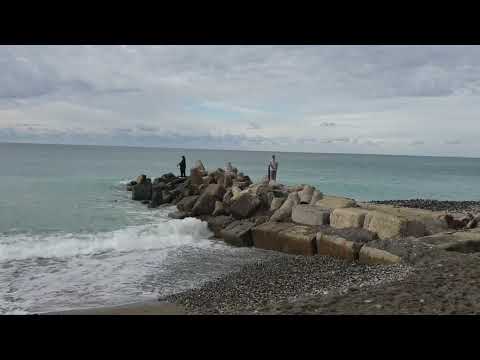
{"points": [[428, 281]]}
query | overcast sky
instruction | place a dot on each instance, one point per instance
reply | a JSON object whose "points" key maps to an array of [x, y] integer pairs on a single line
{"points": [[418, 100]]}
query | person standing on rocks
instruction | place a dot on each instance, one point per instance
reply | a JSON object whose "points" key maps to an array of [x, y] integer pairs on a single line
{"points": [[183, 165], [272, 169]]}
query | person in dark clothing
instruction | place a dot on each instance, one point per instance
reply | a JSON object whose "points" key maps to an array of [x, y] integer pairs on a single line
{"points": [[183, 165]]}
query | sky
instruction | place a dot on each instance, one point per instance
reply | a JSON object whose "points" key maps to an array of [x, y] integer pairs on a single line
{"points": [[411, 100]]}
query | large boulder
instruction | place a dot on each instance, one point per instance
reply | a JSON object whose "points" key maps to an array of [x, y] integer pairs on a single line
{"points": [[372, 256], [244, 206], [187, 203], [310, 215], [168, 177], [219, 176], [142, 191], [227, 181], [241, 184], [159, 185], [336, 246], [348, 217], [266, 235], [178, 215], [389, 226], [196, 177], [284, 213], [285, 237], [227, 198], [473, 223], [199, 166], [461, 241], [157, 197], [335, 202], [216, 190], [205, 205], [141, 179], [432, 221], [277, 202], [219, 209], [298, 240], [167, 196], [306, 194], [317, 195], [236, 192], [217, 223], [131, 184], [207, 180], [295, 188], [238, 233]]}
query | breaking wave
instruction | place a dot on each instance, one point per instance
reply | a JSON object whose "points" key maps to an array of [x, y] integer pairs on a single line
{"points": [[165, 234]]}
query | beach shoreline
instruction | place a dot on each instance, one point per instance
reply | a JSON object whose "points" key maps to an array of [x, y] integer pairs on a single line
{"points": [[150, 307], [296, 284]]}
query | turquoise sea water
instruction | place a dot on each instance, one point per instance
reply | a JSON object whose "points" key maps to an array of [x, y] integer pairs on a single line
{"points": [[70, 236]]}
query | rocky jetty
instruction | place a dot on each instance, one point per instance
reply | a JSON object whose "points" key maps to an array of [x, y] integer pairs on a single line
{"points": [[298, 220]]}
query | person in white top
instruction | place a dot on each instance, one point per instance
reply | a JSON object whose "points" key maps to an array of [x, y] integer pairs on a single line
{"points": [[272, 169]]}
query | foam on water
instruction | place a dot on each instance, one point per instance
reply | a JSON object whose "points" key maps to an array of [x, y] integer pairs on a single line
{"points": [[163, 234], [62, 271]]}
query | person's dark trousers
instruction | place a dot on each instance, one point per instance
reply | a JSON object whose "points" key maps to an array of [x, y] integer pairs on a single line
{"points": [[182, 172]]}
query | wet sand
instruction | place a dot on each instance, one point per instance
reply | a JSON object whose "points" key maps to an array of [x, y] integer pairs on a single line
{"points": [[153, 307]]}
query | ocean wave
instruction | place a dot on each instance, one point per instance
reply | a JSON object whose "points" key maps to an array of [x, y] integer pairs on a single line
{"points": [[170, 233]]}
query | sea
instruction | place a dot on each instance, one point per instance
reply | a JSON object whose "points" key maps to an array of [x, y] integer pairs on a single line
{"points": [[72, 238]]}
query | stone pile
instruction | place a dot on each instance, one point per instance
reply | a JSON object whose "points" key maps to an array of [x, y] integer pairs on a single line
{"points": [[297, 220]]}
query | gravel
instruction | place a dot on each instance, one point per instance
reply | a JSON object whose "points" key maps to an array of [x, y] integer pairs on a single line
{"points": [[283, 278], [439, 282], [435, 205]]}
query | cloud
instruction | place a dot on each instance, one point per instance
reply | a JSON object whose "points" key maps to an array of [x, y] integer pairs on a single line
{"points": [[253, 126], [453, 142], [327, 124], [304, 98], [336, 140]]}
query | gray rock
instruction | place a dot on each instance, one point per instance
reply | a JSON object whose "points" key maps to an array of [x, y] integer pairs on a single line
{"points": [[187, 203], [178, 215], [284, 213], [241, 184], [141, 179], [310, 215], [306, 194], [216, 190], [244, 206], [196, 177], [219, 209], [238, 233], [227, 198], [217, 223], [167, 196], [277, 203], [157, 197], [317, 195], [205, 204], [142, 191], [227, 181]]}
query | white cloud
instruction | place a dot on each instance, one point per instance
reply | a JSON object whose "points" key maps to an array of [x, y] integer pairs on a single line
{"points": [[304, 98]]}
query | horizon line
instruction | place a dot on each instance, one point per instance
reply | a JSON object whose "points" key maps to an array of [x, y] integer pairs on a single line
{"points": [[246, 150]]}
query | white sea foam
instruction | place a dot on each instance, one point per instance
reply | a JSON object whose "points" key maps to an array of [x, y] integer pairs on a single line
{"points": [[164, 234]]}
